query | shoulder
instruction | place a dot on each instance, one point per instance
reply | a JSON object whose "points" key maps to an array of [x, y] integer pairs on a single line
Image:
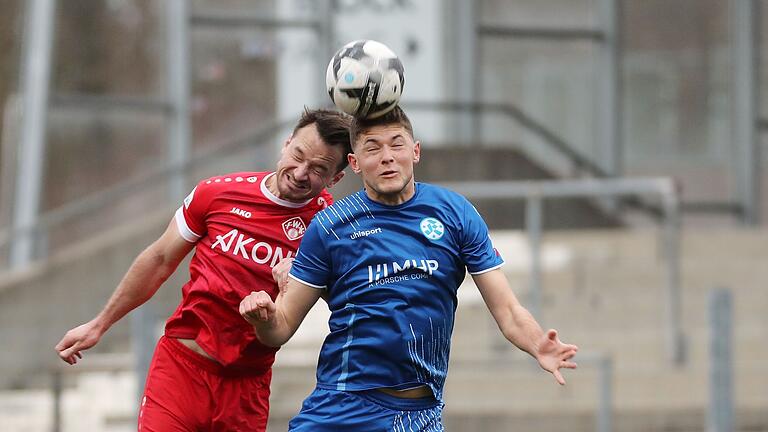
{"points": [[323, 200], [225, 181], [435, 193], [245, 180], [339, 211]]}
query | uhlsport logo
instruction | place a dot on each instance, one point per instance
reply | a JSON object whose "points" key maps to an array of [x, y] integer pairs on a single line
{"points": [[432, 228], [366, 233], [294, 228]]}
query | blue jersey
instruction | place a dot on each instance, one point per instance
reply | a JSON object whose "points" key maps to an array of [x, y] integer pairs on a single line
{"points": [[392, 274]]}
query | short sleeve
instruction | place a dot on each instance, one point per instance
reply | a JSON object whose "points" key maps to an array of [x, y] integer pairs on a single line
{"points": [[477, 249], [312, 264], [190, 217]]}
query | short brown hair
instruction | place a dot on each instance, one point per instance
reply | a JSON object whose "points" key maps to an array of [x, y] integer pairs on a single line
{"points": [[395, 117], [333, 128]]}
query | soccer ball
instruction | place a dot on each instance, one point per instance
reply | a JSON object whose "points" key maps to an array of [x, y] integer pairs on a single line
{"points": [[365, 79]]}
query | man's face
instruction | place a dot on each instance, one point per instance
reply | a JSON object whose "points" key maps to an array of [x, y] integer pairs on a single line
{"points": [[384, 157], [307, 165]]}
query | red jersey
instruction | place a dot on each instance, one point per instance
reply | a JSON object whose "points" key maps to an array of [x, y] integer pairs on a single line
{"points": [[241, 231]]}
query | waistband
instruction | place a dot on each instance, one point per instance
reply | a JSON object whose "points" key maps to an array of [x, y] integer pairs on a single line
{"points": [[207, 364], [396, 403]]}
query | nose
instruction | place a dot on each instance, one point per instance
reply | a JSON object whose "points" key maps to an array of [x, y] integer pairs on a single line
{"points": [[301, 172], [386, 155]]}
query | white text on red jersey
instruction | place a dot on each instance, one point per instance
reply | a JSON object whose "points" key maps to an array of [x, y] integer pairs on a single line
{"points": [[237, 244]]}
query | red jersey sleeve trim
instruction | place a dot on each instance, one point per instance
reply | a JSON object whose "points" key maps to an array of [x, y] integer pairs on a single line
{"points": [[184, 230]]}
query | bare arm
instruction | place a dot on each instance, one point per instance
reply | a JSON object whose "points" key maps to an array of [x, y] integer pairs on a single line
{"points": [[275, 322], [520, 327], [149, 270]]}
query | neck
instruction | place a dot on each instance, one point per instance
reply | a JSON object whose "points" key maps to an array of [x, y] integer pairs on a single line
{"points": [[271, 184], [393, 198]]}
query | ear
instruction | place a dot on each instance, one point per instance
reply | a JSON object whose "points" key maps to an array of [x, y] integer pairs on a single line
{"points": [[416, 152], [285, 144], [352, 159], [335, 179]]}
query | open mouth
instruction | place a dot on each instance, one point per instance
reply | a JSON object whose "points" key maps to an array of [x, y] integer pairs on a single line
{"points": [[388, 174]]}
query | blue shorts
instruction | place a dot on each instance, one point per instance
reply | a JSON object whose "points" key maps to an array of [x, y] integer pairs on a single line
{"points": [[366, 411]]}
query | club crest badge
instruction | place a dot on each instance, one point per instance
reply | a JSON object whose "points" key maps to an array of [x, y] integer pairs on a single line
{"points": [[432, 228], [294, 228]]}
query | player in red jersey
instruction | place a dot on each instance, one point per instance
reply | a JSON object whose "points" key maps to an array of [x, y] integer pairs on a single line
{"points": [[209, 372]]}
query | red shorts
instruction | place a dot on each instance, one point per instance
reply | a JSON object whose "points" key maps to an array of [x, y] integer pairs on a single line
{"points": [[188, 392]]}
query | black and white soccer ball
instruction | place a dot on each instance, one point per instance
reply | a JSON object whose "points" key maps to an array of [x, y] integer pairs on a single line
{"points": [[365, 79]]}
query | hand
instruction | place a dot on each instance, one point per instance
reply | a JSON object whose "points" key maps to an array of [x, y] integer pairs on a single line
{"points": [[280, 273], [257, 307], [553, 354], [78, 339]]}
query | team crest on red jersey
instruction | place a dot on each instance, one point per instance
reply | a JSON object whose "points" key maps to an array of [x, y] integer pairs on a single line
{"points": [[294, 228]]}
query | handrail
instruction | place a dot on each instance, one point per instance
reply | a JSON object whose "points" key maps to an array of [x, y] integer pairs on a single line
{"points": [[557, 143], [550, 138], [99, 199], [534, 192]]}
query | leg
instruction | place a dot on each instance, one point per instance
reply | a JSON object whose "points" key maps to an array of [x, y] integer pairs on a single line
{"points": [[176, 396], [242, 404]]}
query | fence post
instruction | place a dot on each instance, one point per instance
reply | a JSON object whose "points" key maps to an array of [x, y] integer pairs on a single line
{"points": [[720, 413], [143, 339], [56, 390], [675, 338], [604, 412], [533, 223]]}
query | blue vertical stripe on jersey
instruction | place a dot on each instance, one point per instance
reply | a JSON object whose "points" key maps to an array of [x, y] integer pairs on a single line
{"points": [[342, 383]]}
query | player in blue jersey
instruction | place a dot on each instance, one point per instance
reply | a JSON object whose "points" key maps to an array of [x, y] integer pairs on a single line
{"points": [[389, 260]]}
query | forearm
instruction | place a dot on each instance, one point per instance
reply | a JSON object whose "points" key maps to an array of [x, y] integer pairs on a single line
{"points": [[273, 333], [514, 321], [145, 276], [521, 328], [275, 322]]}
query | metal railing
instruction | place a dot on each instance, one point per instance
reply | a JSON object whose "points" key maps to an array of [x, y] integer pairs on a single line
{"points": [[581, 163], [534, 192], [159, 175]]}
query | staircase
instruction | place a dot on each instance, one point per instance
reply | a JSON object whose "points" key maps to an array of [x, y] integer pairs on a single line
{"points": [[602, 290], [449, 162]]}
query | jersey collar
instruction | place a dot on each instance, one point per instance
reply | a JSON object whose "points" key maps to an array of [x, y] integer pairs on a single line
{"points": [[279, 201]]}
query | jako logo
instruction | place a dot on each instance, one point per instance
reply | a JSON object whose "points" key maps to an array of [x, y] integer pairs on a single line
{"points": [[235, 243], [294, 228], [240, 212], [386, 270]]}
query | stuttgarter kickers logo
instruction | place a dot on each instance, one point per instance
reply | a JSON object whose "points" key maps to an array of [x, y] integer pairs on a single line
{"points": [[294, 228], [387, 273], [432, 228]]}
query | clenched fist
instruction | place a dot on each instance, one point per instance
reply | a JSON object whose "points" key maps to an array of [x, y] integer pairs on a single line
{"points": [[257, 307]]}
